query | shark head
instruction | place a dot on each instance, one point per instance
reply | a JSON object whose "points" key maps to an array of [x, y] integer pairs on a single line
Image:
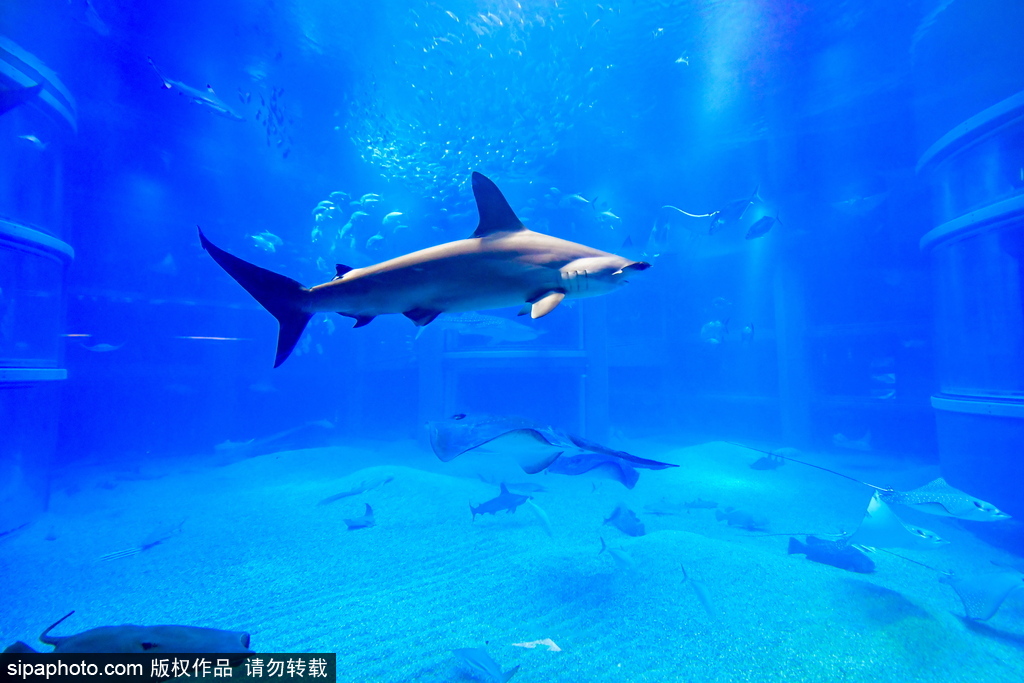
{"points": [[596, 275]]}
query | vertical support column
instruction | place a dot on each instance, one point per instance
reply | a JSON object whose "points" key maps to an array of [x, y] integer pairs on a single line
{"points": [[594, 385], [790, 339]]}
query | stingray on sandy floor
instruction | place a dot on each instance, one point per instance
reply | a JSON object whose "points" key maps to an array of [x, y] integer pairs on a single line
{"points": [[481, 663], [533, 446], [882, 528], [626, 521], [983, 594], [363, 522], [150, 639], [506, 500]]}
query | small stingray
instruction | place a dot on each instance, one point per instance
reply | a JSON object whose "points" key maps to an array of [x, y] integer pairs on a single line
{"points": [[363, 522], [939, 498], [154, 538], [626, 521], [506, 500], [881, 528], [983, 594], [547, 642], [623, 560], [481, 663], [151, 639], [363, 487], [743, 519]]}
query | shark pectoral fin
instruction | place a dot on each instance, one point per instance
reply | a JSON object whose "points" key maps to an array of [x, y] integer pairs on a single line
{"points": [[421, 316], [527, 307], [546, 304]]}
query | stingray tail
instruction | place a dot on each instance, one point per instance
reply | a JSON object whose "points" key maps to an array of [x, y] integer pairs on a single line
{"points": [[282, 296]]}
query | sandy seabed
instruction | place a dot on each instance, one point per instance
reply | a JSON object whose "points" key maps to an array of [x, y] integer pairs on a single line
{"points": [[257, 554]]}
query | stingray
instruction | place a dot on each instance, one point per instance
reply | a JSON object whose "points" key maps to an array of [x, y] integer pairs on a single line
{"points": [[939, 498], [936, 497], [506, 501], [148, 639], [596, 464], [983, 594], [881, 528], [363, 522], [626, 521], [481, 663], [534, 447]]}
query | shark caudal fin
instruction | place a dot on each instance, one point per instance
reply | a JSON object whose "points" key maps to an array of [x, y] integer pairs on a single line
{"points": [[280, 295]]}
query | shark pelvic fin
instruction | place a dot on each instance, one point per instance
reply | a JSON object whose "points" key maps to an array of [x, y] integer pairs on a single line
{"points": [[280, 295], [495, 213], [361, 320], [547, 303], [421, 316]]}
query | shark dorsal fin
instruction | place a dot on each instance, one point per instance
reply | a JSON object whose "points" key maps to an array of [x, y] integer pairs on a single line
{"points": [[369, 510], [340, 269], [495, 213], [504, 489]]}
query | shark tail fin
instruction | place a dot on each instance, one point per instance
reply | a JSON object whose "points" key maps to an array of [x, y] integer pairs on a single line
{"points": [[280, 295], [509, 674]]}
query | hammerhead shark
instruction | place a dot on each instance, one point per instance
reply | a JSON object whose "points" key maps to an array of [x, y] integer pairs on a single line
{"points": [[502, 263]]}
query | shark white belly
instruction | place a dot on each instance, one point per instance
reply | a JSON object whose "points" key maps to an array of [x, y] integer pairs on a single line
{"points": [[501, 264]]}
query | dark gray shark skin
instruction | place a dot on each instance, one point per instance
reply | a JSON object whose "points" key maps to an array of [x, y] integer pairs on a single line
{"points": [[501, 264], [835, 553], [626, 521], [535, 447], [506, 500], [15, 97], [145, 639], [363, 522]]}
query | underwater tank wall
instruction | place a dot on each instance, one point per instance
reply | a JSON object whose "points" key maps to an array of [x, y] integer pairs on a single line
{"points": [[33, 261], [973, 167]]}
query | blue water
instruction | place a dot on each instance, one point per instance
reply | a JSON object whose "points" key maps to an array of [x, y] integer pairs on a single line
{"points": [[873, 321]]}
